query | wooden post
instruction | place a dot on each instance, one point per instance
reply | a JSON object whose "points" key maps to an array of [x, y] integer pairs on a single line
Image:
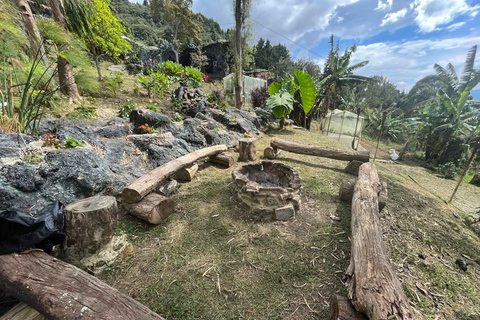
{"points": [[61, 291], [89, 225], [372, 285], [355, 133], [380, 136], [475, 149], [247, 149]]}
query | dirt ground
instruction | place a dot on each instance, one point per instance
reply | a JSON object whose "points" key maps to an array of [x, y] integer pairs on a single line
{"points": [[209, 260]]}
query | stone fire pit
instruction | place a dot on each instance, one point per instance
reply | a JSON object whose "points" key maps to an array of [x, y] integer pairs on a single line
{"points": [[268, 189]]}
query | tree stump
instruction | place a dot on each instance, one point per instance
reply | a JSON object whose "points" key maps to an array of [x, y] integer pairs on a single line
{"points": [[154, 208], [342, 309], [226, 159], [247, 149], [270, 153], [186, 174], [89, 225]]}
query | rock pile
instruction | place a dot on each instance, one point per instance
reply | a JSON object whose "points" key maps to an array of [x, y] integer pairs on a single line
{"points": [[113, 156]]}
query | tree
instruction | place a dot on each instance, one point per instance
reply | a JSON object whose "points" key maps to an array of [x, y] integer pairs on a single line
{"points": [[241, 13], [423, 91], [379, 93], [177, 14], [309, 66], [340, 73], [65, 69], [105, 36]]}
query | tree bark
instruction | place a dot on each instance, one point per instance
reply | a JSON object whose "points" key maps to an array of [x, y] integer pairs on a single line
{"points": [[65, 69], [147, 183], [342, 309], [89, 225], [97, 64], [337, 154], [373, 286], [167, 187], [239, 54], [154, 208], [61, 291], [186, 174], [353, 167], [226, 159], [247, 149], [348, 185]]}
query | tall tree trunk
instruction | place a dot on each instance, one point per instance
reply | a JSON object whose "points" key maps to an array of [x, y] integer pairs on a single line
{"points": [[97, 64], [65, 69], [33, 32], [239, 57], [175, 45]]}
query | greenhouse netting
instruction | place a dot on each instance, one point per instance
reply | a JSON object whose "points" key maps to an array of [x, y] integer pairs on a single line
{"points": [[249, 84], [343, 123]]}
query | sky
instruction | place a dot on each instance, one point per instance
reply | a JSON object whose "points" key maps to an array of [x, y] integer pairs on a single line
{"points": [[401, 39]]}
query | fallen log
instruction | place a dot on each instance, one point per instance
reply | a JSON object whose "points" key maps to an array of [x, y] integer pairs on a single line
{"points": [[186, 174], [247, 149], [154, 208], [226, 159], [149, 182], [373, 287], [337, 154], [89, 225], [353, 167], [61, 291], [342, 309], [348, 185]]}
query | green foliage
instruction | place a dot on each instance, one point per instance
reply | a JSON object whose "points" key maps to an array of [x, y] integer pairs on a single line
{"points": [[33, 158], [267, 55], [71, 143], [394, 127], [148, 83], [281, 103], [171, 69], [152, 107], [12, 38], [125, 110], [87, 82], [379, 93], [175, 103], [114, 83], [84, 112], [193, 77], [447, 170]]}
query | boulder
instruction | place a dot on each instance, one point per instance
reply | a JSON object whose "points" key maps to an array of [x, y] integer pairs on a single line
{"points": [[191, 133], [154, 119], [21, 176], [476, 180], [159, 155], [81, 132], [15, 140], [114, 131], [264, 116]]}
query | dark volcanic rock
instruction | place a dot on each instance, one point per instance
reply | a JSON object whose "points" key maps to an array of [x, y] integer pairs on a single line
{"points": [[265, 116], [191, 133], [74, 174], [476, 180], [76, 131], [9, 152], [237, 120], [114, 131], [47, 126], [22, 176], [154, 119], [167, 152], [15, 140]]}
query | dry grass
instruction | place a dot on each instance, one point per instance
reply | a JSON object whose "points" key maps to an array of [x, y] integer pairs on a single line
{"points": [[9, 125]]}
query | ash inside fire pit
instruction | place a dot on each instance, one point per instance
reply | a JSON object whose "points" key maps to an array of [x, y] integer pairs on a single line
{"points": [[268, 189]]}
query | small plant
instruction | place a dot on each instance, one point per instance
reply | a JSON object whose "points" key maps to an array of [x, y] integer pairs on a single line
{"points": [[126, 109], [171, 69], [176, 103], [148, 83], [33, 158], [193, 77], [247, 134], [259, 96], [50, 141], [447, 170], [71, 143], [145, 128], [151, 107], [84, 112], [217, 100], [206, 78], [114, 83], [91, 99], [177, 117]]}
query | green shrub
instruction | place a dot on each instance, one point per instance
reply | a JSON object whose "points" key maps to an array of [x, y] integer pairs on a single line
{"points": [[84, 112], [126, 109], [151, 107], [33, 158], [193, 77], [71, 143], [114, 83], [172, 69], [447, 170], [176, 103]]}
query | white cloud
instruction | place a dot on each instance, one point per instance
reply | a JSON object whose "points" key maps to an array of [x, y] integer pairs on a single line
{"points": [[455, 26], [431, 14], [393, 17], [406, 62], [382, 6]]}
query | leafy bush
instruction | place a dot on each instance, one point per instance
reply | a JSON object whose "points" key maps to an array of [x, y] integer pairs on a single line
{"points": [[84, 112], [33, 158], [193, 77], [151, 107], [216, 100], [126, 109], [447, 170], [259, 96], [114, 83], [281, 104], [171, 69], [71, 143]]}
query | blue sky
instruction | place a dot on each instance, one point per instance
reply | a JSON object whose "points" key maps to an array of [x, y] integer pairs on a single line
{"points": [[402, 39]]}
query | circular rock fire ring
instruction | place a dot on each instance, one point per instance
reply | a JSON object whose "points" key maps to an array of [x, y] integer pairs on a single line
{"points": [[268, 189]]}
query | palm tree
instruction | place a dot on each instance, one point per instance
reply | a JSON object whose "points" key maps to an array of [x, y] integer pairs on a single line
{"points": [[340, 73]]}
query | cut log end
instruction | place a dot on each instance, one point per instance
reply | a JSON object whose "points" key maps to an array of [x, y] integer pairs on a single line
{"points": [[186, 174], [225, 159], [153, 209], [270, 153]]}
